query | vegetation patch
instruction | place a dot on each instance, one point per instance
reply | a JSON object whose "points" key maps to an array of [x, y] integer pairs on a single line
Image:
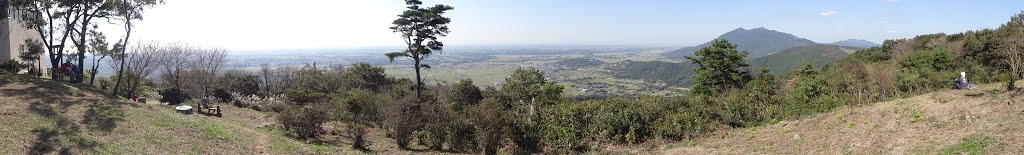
{"points": [[969, 145]]}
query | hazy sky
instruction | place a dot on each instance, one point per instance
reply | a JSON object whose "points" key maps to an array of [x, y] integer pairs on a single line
{"points": [[242, 25]]}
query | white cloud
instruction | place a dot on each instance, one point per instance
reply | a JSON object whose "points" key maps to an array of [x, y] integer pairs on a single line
{"points": [[892, 1], [828, 12]]}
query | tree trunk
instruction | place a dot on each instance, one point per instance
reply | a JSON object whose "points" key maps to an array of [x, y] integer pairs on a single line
{"points": [[92, 78], [419, 80], [124, 48]]}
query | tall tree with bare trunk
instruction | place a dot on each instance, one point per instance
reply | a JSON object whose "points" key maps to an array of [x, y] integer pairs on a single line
{"points": [[130, 10], [420, 28]]}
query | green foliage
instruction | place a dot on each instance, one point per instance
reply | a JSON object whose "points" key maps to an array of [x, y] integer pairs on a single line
{"points": [[621, 121], [568, 128], [241, 82], [303, 122], [33, 52], [399, 117], [526, 92], [463, 94], [793, 58], [928, 70], [420, 28], [365, 76], [12, 66], [969, 145], [358, 110], [676, 74], [874, 54], [490, 125], [309, 86], [719, 67]]}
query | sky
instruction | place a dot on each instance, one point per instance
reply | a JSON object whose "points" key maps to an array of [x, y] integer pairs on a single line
{"points": [[250, 25]]}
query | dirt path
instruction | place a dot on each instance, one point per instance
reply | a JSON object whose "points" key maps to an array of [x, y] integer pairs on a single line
{"points": [[925, 124], [261, 143]]}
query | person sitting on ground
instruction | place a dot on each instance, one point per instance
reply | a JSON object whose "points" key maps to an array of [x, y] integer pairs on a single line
{"points": [[961, 82], [64, 68]]}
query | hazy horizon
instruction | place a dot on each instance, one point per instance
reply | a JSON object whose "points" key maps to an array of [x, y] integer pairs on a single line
{"points": [[255, 25]]}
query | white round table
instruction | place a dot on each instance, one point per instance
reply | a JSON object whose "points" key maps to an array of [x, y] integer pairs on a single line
{"points": [[183, 108]]}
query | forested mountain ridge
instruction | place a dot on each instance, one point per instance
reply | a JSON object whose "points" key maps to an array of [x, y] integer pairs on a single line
{"points": [[791, 59], [669, 73], [758, 42]]}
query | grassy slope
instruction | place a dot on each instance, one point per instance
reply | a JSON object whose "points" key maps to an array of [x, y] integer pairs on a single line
{"points": [[43, 116], [984, 120]]}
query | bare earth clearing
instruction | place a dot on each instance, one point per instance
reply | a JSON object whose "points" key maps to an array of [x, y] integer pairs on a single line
{"points": [[987, 120]]}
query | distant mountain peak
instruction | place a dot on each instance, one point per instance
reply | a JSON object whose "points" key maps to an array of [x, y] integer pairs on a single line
{"points": [[856, 43], [758, 41]]}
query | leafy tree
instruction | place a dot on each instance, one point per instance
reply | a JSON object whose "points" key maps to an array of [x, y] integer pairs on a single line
{"points": [[32, 54], [128, 11], [719, 67], [365, 76], [529, 86], [526, 91], [1011, 48], [359, 111], [420, 28], [464, 93], [763, 90], [491, 125], [99, 47], [47, 19], [241, 82], [83, 13]]}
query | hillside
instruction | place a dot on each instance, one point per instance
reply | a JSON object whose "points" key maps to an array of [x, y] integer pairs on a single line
{"points": [[46, 117], [856, 43], [985, 120], [674, 74], [794, 58], [758, 41]]}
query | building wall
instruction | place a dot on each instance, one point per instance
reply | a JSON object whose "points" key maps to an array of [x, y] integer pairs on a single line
{"points": [[12, 39]]}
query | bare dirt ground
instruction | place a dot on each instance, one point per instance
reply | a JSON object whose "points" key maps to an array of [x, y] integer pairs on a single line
{"points": [[988, 120]]}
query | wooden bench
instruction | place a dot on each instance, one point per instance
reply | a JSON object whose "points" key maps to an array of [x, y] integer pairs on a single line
{"points": [[216, 111]]}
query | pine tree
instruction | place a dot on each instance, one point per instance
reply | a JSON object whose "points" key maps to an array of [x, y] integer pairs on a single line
{"points": [[719, 67]]}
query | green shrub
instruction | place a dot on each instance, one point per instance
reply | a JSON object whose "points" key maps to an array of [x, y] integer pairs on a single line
{"points": [[437, 122], [241, 82], [12, 66], [567, 131], [303, 122], [173, 96], [491, 125], [401, 118]]}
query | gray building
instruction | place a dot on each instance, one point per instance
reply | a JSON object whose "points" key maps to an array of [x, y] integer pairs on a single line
{"points": [[13, 33]]}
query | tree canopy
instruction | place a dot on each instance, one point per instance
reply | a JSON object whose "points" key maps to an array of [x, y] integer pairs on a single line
{"points": [[719, 66], [420, 28]]}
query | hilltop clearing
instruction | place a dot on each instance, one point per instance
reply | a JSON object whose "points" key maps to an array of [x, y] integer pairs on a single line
{"points": [[45, 117]]}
